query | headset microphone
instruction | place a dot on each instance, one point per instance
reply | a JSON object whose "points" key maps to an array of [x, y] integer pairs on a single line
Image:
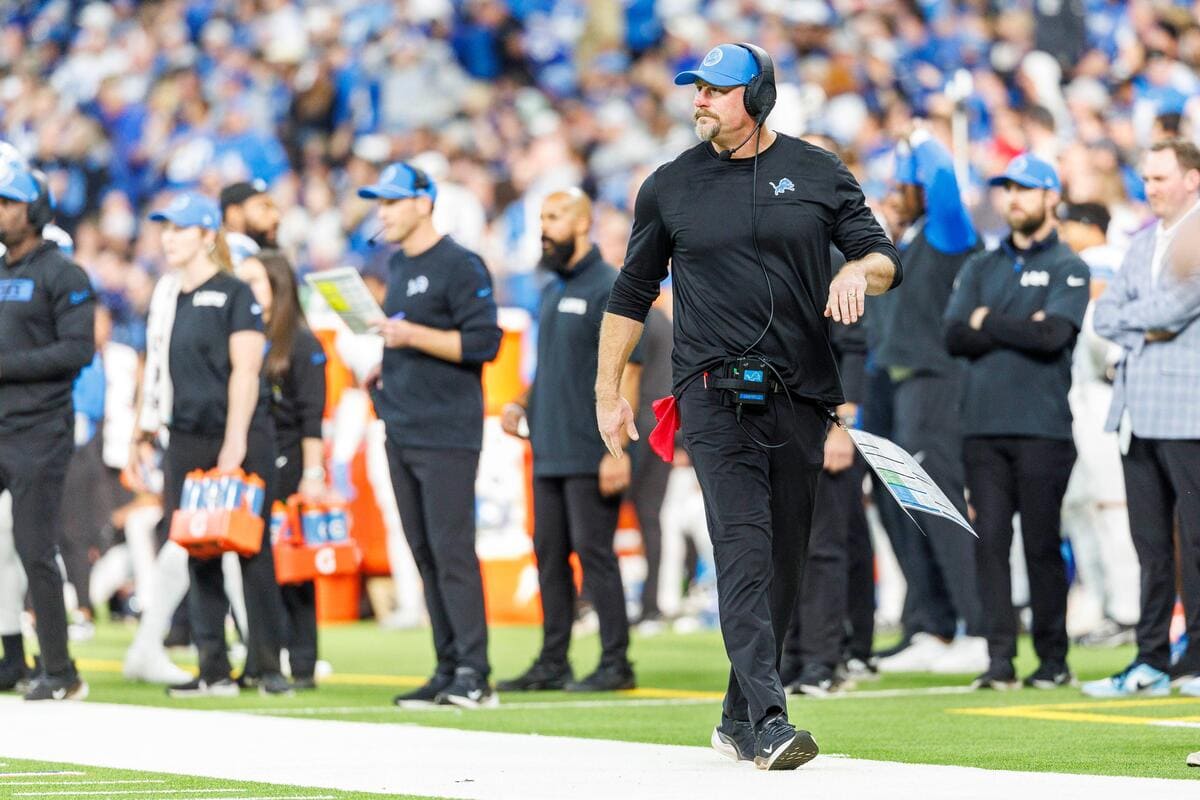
{"points": [[727, 154], [375, 237]]}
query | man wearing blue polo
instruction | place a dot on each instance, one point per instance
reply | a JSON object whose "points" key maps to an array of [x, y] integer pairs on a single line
{"points": [[1014, 315], [439, 332]]}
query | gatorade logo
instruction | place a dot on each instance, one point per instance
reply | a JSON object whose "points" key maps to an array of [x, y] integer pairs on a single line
{"points": [[325, 561], [198, 524], [713, 58]]}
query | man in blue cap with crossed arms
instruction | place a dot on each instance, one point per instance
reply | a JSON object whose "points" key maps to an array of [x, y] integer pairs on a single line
{"points": [[754, 375]]}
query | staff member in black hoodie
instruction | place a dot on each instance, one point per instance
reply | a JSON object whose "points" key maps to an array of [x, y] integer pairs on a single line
{"points": [[46, 336], [295, 369], [439, 332], [577, 484], [219, 418]]}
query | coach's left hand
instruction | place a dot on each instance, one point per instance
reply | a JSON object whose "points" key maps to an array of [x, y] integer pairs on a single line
{"points": [[847, 295]]}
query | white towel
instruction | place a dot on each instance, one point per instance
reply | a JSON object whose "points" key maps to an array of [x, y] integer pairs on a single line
{"points": [[157, 392]]}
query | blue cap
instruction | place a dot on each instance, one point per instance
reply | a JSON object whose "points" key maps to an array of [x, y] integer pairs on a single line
{"points": [[1029, 171], [399, 181], [17, 182], [724, 65], [190, 210]]}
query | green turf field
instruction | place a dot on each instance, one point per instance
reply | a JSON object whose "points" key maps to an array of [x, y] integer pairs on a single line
{"points": [[681, 678], [44, 779]]}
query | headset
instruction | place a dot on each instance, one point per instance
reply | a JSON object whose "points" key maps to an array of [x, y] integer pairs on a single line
{"points": [[40, 211], [421, 181], [760, 94]]}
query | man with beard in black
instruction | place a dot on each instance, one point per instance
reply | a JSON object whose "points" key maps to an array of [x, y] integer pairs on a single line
{"points": [[250, 217], [577, 484]]}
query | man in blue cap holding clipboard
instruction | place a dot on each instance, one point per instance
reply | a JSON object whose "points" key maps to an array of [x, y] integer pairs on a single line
{"points": [[439, 332]]}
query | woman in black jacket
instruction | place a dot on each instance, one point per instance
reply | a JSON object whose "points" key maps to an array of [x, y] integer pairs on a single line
{"points": [[295, 370]]}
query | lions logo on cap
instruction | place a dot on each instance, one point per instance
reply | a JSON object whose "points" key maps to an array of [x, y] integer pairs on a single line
{"points": [[713, 58], [389, 175]]}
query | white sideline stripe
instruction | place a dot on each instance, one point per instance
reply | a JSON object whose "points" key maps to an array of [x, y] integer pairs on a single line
{"points": [[448, 763], [125, 791], [275, 797], [1174, 723], [35, 774]]}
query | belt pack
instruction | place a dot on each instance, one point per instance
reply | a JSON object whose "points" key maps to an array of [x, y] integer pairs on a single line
{"points": [[747, 382]]}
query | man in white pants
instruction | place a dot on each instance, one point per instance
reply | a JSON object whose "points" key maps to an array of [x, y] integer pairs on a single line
{"points": [[1094, 512]]}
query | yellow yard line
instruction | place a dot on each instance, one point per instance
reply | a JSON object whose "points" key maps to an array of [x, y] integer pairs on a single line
{"points": [[673, 694], [1074, 712]]}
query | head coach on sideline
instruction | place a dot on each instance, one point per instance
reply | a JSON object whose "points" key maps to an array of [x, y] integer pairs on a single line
{"points": [[754, 375]]}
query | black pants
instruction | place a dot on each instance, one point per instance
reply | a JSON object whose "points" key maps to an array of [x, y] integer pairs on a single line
{"points": [[91, 492], [207, 604], [33, 465], [435, 492], [570, 515], [299, 599], [938, 567], [1162, 478], [759, 506], [1007, 475], [648, 487], [821, 622]]}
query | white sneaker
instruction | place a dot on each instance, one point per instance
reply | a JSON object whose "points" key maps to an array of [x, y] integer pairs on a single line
{"points": [[1191, 689], [1194, 759], [921, 654], [966, 654], [152, 666]]}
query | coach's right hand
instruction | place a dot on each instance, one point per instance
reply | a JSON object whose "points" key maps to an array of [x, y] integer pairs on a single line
{"points": [[510, 418], [614, 417]]}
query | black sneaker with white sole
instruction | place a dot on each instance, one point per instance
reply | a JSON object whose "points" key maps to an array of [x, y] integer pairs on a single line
{"points": [[780, 746], [68, 686], [1050, 676], [424, 695], [542, 676], [198, 687], [14, 675], [734, 739], [469, 689], [1001, 677]]}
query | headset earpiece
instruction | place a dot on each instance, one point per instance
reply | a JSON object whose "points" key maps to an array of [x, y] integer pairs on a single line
{"points": [[760, 94], [421, 181], [41, 211]]}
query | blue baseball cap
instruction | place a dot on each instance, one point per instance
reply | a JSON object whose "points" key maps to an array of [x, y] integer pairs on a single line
{"points": [[724, 65], [17, 182], [1029, 171], [399, 181], [190, 210]]}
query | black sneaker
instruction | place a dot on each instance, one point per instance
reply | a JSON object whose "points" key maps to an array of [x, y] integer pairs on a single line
{"points": [[275, 685], [1001, 677], [734, 739], [1185, 670], [424, 695], [1050, 676], [305, 684], [14, 675], [248, 681], [817, 681], [469, 689], [606, 678], [541, 676], [855, 670], [780, 746], [198, 687], [68, 686]]}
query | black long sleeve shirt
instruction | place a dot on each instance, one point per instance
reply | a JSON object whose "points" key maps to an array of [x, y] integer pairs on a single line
{"points": [[695, 212], [47, 308], [425, 401], [298, 396]]}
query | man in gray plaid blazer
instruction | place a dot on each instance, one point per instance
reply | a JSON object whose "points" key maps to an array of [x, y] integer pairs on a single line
{"points": [[1151, 311]]}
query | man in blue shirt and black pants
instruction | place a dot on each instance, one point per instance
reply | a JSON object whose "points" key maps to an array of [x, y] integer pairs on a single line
{"points": [[1015, 314], [439, 332]]}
